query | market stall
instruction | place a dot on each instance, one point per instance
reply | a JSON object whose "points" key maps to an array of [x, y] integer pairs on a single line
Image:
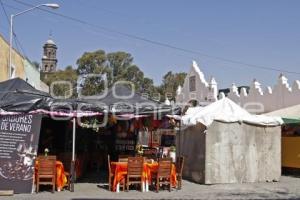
{"points": [[136, 120], [223, 143], [23, 109], [75, 123], [290, 135]]}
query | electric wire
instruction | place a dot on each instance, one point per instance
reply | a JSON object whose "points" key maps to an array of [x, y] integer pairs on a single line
{"points": [[162, 44]]}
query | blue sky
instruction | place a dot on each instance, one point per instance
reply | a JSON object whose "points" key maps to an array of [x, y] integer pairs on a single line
{"points": [[264, 33]]}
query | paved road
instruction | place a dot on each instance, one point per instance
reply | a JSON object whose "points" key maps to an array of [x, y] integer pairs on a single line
{"points": [[287, 188]]}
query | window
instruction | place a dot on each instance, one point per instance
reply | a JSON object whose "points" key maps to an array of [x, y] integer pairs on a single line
{"points": [[192, 83], [46, 67]]}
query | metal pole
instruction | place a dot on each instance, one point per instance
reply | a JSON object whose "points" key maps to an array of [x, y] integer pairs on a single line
{"points": [[73, 156], [10, 46], [179, 139], [54, 6], [74, 132]]}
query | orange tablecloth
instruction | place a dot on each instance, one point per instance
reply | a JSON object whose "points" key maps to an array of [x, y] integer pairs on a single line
{"points": [[61, 178], [120, 171]]}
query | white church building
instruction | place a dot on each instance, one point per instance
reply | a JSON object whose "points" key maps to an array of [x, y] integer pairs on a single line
{"points": [[257, 100]]}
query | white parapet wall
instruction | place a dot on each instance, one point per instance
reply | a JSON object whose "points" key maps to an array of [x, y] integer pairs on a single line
{"points": [[196, 87], [258, 100], [270, 99]]}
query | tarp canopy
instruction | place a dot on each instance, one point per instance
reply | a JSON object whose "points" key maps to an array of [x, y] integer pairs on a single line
{"points": [[290, 115], [122, 99], [225, 110], [19, 96], [16, 95], [12, 85]]}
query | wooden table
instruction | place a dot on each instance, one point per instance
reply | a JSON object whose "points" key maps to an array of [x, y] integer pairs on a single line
{"points": [[120, 171]]}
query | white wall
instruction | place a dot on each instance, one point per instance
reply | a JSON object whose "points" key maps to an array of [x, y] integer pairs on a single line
{"points": [[205, 92], [32, 75], [256, 101], [270, 99]]}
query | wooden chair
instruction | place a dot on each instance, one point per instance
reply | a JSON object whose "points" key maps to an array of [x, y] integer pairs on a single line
{"points": [[163, 175], [47, 157], [179, 169], [135, 171], [46, 172]]}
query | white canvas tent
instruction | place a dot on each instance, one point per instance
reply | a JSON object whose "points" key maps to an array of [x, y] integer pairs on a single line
{"points": [[289, 112], [290, 115], [223, 143], [225, 110]]}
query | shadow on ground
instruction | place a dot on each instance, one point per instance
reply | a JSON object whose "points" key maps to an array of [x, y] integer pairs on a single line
{"points": [[94, 177], [292, 172]]}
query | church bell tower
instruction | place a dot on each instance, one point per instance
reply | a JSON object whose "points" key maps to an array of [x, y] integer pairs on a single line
{"points": [[49, 60]]}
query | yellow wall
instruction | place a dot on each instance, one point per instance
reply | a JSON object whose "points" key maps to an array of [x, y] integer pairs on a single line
{"points": [[291, 152], [17, 61]]}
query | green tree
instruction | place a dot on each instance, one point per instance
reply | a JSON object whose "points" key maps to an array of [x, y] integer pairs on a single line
{"points": [[170, 83], [117, 66], [148, 87], [135, 76], [68, 74], [92, 63], [123, 69], [119, 62]]}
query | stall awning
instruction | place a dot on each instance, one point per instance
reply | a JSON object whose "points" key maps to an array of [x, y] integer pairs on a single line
{"points": [[16, 95], [290, 115], [291, 120], [121, 99]]}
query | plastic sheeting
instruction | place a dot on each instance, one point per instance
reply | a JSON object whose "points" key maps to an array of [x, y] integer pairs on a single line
{"points": [[225, 110]]}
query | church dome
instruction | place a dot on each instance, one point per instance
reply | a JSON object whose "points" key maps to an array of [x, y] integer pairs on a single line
{"points": [[50, 41]]}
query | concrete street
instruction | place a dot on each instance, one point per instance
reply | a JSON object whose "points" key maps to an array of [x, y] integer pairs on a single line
{"points": [[287, 188]]}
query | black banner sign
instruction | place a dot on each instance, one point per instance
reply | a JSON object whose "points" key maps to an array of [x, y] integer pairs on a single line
{"points": [[19, 136]]}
